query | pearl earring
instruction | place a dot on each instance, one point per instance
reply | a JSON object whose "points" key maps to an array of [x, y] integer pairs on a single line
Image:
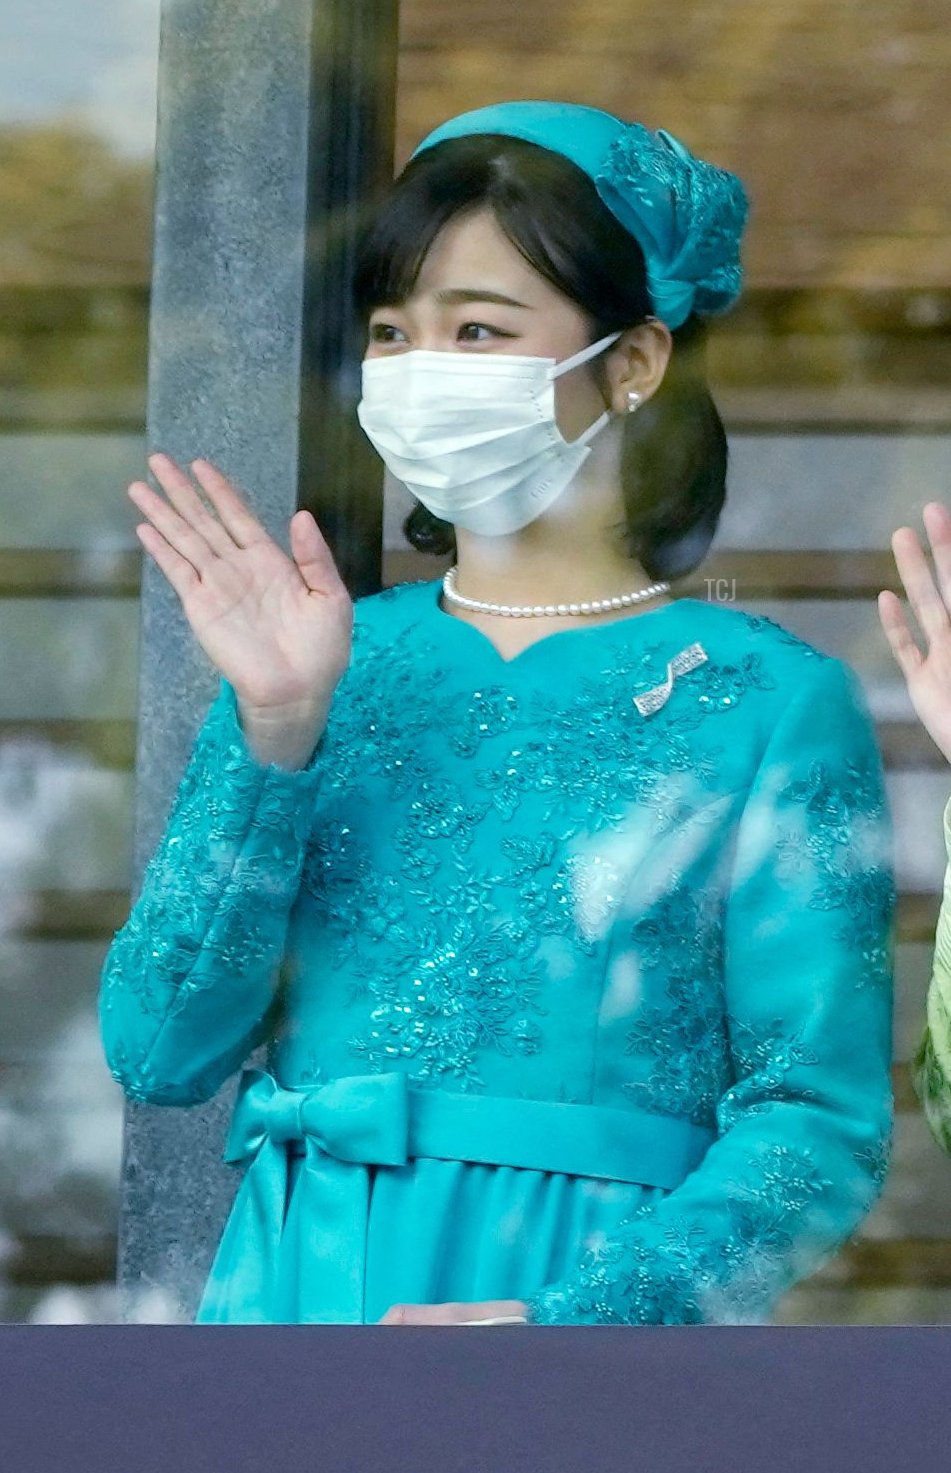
{"points": [[633, 400]]}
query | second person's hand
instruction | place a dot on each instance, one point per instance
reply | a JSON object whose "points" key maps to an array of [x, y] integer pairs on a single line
{"points": [[928, 675]]}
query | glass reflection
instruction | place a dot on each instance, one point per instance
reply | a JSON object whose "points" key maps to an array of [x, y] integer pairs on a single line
{"points": [[77, 111], [832, 377]]}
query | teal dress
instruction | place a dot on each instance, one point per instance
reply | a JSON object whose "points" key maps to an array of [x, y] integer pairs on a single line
{"points": [[574, 971]]}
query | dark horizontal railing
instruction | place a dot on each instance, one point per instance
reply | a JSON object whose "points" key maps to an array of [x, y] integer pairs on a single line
{"points": [[41, 1259], [52, 573], [110, 743], [905, 745], [750, 573], [72, 915], [806, 358], [807, 574], [864, 1263]]}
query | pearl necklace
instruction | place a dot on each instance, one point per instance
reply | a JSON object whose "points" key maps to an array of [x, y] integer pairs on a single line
{"points": [[592, 606]]}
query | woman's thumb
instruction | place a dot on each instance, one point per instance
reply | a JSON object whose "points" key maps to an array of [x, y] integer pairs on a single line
{"points": [[311, 554]]}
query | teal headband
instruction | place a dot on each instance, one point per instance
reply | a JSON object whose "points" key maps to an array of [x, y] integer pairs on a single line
{"points": [[686, 215]]}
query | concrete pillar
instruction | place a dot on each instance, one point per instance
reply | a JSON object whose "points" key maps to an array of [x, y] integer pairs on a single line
{"points": [[275, 131]]}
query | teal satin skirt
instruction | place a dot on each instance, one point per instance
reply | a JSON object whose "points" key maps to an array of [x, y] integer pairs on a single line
{"points": [[367, 1192]]}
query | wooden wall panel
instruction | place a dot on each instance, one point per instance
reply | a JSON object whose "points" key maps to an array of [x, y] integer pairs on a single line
{"points": [[837, 116]]}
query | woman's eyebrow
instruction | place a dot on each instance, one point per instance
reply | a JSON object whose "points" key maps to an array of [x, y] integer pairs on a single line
{"points": [[457, 295]]}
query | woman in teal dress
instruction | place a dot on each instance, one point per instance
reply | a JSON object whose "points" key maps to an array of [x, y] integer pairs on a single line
{"points": [[563, 906]]}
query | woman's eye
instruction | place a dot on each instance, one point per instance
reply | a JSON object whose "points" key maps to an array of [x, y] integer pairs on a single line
{"points": [[383, 332], [468, 330]]}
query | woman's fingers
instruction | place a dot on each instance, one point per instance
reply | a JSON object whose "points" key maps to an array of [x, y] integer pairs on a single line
{"points": [[186, 501], [453, 1313], [899, 636], [937, 520], [243, 526], [178, 570], [185, 522], [929, 606], [178, 533], [420, 1314]]}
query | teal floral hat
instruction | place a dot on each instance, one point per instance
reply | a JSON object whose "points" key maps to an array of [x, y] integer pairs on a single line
{"points": [[687, 215]]}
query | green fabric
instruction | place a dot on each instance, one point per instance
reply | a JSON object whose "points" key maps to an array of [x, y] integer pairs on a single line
{"points": [[500, 916], [931, 1066]]}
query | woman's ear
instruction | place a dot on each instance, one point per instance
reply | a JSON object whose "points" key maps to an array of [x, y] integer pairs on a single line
{"points": [[637, 363]]}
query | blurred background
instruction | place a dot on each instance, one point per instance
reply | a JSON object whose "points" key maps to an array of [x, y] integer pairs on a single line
{"points": [[833, 376]]}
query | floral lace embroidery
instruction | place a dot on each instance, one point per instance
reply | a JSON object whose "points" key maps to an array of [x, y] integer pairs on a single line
{"points": [[593, 763], [455, 1001], [762, 1058], [839, 844], [684, 1039], [444, 953], [692, 211], [140, 1081], [778, 634], [765, 1211], [876, 1159], [683, 1273], [612, 758], [210, 903]]}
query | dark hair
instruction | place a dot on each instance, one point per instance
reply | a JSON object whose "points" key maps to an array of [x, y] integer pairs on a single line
{"points": [[674, 454]]}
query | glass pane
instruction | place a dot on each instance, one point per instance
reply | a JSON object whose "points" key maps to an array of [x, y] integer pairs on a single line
{"points": [[77, 134], [832, 376]]}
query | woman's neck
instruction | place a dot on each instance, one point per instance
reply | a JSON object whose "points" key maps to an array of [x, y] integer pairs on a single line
{"points": [[572, 554], [558, 574]]}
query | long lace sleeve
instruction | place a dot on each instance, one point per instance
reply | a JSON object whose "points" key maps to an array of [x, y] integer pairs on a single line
{"points": [[190, 978], [931, 1066], [804, 1127]]}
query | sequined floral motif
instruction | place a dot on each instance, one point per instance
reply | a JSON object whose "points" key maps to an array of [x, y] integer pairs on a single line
{"points": [[683, 1038], [876, 1159], [762, 1056], [597, 885], [588, 767], [461, 861], [758, 1212], [457, 997], [594, 751], [764, 1211], [688, 213], [839, 849], [728, 1267], [214, 900], [761, 624]]}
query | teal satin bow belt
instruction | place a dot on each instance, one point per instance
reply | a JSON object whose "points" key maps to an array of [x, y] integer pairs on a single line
{"points": [[349, 1124]]}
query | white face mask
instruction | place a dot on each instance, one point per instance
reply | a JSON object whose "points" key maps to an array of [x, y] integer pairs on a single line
{"points": [[474, 438]]}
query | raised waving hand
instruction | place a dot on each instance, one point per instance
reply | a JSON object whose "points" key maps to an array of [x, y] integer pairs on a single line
{"points": [[928, 674], [278, 628]]}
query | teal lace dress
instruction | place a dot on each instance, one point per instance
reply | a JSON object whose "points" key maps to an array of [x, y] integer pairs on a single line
{"points": [[574, 971]]}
